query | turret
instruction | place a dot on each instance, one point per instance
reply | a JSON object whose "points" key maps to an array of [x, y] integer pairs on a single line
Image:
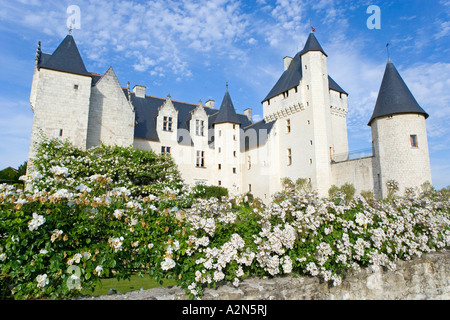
{"points": [[227, 145], [399, 136], [60, 95], [315, 88]]}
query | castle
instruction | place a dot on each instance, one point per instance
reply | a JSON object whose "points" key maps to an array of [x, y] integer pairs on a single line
{"points": [[303, 133]]}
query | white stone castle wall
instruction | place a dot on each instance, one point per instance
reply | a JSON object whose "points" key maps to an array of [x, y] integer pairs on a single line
{"points": [[227, 153], [358, 172], [111, 116], [59, 106], [338, 114], [259, 175], [396, 158]]}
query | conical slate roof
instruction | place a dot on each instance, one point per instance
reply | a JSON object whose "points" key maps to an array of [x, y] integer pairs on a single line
{"points": [[66, 58], [312, 45], [394, 96], [292, 76], [227, 112]]}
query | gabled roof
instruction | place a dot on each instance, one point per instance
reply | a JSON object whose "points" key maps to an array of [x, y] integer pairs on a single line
{"points": [[66, 58], [227, 113], [292, 76], [394, 96]]}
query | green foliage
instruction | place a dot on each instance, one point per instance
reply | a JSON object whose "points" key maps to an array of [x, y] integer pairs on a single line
{"points": [[206, 192], [300, 186], [142, 172], [110, 212], [9, 174], [392, 187], [347, 191]]}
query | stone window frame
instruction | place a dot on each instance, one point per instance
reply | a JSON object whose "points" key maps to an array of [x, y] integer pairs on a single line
{"points": [[168, 123], [414, 141], [200, 163]]}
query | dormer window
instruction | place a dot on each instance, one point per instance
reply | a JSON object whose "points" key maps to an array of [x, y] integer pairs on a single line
{"points": [[167, 123], [199, 127]]}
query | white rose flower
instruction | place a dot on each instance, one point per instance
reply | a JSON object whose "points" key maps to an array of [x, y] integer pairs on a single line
{"points": [[167, 264], [42, 280]]}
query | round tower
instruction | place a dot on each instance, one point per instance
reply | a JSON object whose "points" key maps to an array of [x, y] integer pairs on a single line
{"points": [[399, 134]]}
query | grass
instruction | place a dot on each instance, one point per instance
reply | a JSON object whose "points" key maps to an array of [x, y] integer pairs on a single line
{"points": [[135, 283]]}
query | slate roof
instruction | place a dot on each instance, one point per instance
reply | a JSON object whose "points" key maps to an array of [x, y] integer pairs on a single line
{"points": [[66, 58], [146, 111], [227, 113], [292, 76], [262, 130], [312, 45], [394, 96]]}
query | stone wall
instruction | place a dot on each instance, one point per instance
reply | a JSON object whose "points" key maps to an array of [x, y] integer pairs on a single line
{"points": [[358, 172], [425, 278]]}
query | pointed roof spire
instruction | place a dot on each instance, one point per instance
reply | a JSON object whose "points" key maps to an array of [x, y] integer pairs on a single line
{"points": [[312, 45], [227, 113], [394, 96], [66, 58]]}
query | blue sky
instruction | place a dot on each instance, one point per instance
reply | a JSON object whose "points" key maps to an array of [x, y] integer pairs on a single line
{"points": [[190, 49]]}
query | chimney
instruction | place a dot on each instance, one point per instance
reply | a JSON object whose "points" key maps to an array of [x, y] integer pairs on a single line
{"points": [[139, 91], [287, 62], [209, 103], [248, 113]]}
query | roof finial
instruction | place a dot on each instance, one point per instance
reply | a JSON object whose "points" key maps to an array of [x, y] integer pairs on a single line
{"points": [[227, 86], [169, 96], [70, 29], [387, 49], [312, 28]]}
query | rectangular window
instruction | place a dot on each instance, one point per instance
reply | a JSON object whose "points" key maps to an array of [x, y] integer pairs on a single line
{"points": [[167, 123], [249, 188], [220, 166], [234, 170], [199, 127], [288, 126], [220, 183], [60, 132], [234, 137], [165, 150], [200, 159], [249, 162], [289, 157], [75, 87], [413, 139], [234, 154]]}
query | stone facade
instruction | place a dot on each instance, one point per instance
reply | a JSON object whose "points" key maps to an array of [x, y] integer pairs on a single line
{"points": [[425, 278], [303, 131]]}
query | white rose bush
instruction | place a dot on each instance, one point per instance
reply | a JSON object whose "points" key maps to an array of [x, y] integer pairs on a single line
{"points": [[114, 212]]}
